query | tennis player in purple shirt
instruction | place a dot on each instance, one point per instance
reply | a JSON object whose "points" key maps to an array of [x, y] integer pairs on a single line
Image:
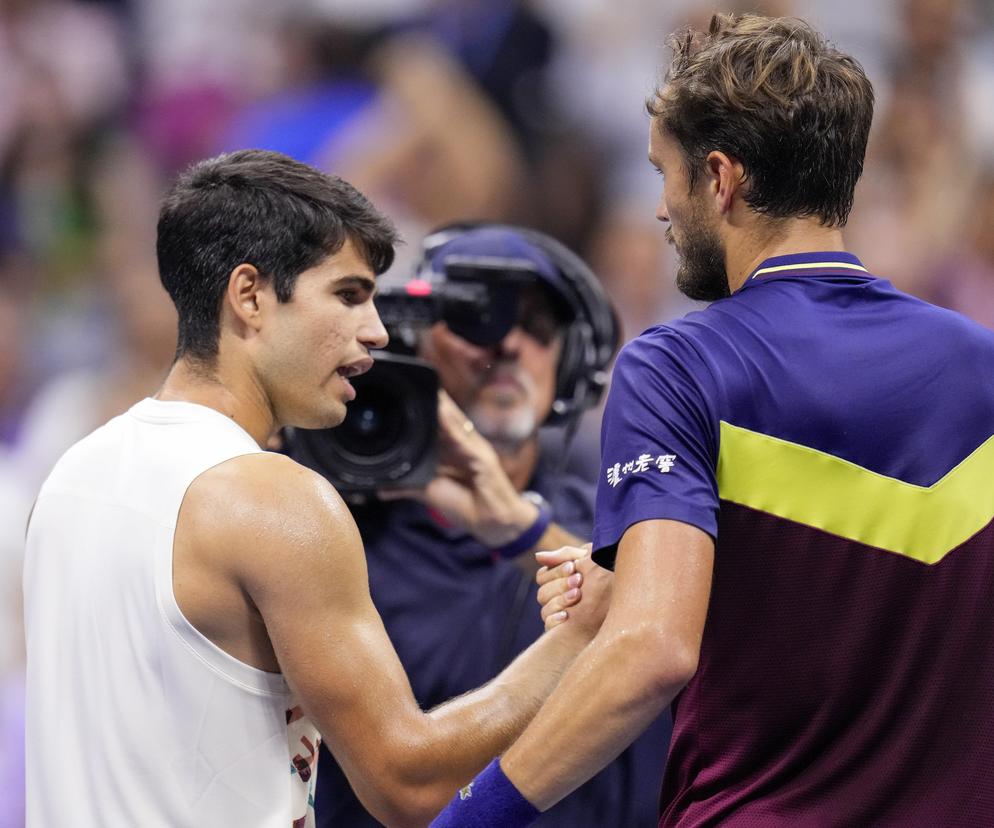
{"points": [[797, 490]]}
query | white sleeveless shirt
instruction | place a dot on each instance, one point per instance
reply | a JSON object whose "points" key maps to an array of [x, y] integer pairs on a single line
{"points": [[133, 716]]}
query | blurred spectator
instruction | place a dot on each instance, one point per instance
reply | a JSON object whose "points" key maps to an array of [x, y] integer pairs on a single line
{"points": [[506, 48], [395, 115], [227, 44], [913, 200], [438, 148], [14, 505], [60, 63], [325, 83], [965, 280], [136, 309], [62, 73], [14, 309]]}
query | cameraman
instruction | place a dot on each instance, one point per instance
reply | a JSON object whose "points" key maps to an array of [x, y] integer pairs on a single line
{"points": [[450, 566]]}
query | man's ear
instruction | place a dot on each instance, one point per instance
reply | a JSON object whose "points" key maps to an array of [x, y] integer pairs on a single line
{"points": [[726, 178], [243, 295]]}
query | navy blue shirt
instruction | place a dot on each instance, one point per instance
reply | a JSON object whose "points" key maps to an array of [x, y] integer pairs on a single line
{"points": [[836, 437], [457, 616]]}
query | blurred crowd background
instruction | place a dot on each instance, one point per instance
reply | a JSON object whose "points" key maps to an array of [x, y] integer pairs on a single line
{"points": [[439, 110]]}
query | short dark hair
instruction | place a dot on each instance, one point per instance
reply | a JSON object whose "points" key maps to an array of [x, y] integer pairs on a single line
{"points": [[775, 95], [259, 208]]}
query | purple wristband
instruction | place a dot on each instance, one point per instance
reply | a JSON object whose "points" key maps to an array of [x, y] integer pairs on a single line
{"points": [[527, 539], [489, 801]]}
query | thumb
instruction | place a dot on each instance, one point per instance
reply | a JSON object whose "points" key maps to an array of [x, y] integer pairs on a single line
{"points": [[555, 557]]}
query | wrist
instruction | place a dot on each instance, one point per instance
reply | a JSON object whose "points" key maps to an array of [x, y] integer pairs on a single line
{"points": [[520, 515], [538, 517], [489, 800]]}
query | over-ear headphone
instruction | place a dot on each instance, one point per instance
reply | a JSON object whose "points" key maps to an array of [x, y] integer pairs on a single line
{"points": [[593, 336]]}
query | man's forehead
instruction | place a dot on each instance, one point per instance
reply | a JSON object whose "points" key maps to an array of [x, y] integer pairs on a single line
{"points": [[347, 261], [657, 141]]}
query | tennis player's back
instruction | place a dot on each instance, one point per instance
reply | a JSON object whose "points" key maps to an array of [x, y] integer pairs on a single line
{"points": [[847, 669]]}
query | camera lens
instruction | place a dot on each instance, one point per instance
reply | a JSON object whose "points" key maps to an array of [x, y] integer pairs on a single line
{"points": [[374, 423], [367, 421], [388, 438]]}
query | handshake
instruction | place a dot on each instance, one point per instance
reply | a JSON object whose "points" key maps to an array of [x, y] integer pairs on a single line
{"points": [[567, 576]]}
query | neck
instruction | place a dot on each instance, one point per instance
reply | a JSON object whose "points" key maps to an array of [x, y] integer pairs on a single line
{"points": [[519, 463], [224, 389], [748, 246]]}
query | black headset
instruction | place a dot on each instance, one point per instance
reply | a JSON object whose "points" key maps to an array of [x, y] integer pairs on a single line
{"points": [[592, 338]]}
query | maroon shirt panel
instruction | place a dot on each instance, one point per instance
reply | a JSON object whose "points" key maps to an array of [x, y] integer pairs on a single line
{"points": [[839, 685]]}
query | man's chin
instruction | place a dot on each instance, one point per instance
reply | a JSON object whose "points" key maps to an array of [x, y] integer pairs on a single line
{"points": [[507, 428], [329, 418], [702, 286]]}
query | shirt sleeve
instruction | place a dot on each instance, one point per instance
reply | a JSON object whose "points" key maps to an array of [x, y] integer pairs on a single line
{"points": [[659, 441]]}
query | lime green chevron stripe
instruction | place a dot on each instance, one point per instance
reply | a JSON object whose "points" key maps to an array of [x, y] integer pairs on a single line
{"points": [[817, 489]]}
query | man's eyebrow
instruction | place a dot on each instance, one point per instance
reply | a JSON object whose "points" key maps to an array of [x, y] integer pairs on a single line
{"points": [[355, 280]]}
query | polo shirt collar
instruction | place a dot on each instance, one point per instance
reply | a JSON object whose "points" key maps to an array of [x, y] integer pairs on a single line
{"points": [[810, 264]]}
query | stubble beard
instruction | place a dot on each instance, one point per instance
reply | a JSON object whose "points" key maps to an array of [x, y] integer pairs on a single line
{"points": [[508, 427], [701, 270], [507, 432]]}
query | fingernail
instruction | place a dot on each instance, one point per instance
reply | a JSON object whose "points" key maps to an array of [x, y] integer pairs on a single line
{"points": [[574, 580], [562, 614], [572, 594], [569, 566]]}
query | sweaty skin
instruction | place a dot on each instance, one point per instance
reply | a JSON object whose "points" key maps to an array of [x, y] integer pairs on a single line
{"points": [[648, 647], [641, 658], [269, 565]]}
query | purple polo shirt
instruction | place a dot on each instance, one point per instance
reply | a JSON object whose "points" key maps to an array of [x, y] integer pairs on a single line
{"points": [[834, 436]]}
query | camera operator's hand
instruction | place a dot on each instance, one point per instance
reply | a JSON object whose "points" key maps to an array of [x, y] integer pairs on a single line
{"points": [[572, 586], [472, 490]]}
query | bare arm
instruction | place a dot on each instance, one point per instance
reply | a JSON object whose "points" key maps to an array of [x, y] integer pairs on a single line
{"points": [[644, 654], [298, 556]]}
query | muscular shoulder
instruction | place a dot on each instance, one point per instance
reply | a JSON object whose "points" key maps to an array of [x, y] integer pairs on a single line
{"points": [[264, 510], [661, 342], [681, 353], [715, 351]]}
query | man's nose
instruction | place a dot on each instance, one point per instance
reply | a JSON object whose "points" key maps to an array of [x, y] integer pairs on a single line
{"points": [[662, 214], [510, 345], [373, 334]]}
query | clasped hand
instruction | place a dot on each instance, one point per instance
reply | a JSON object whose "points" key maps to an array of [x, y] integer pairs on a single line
{"points": [[566, 576]]}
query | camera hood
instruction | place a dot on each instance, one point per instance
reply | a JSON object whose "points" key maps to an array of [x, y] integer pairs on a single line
{"points": [[388, 439]]}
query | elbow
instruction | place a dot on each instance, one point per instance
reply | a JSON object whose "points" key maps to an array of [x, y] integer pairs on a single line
{"points": [[404, 795], [408, 807], [663, 663], [680, 664], [680, 670]]}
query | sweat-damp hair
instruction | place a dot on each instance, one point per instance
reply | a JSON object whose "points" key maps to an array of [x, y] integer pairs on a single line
{"points": [[775, 95]]}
